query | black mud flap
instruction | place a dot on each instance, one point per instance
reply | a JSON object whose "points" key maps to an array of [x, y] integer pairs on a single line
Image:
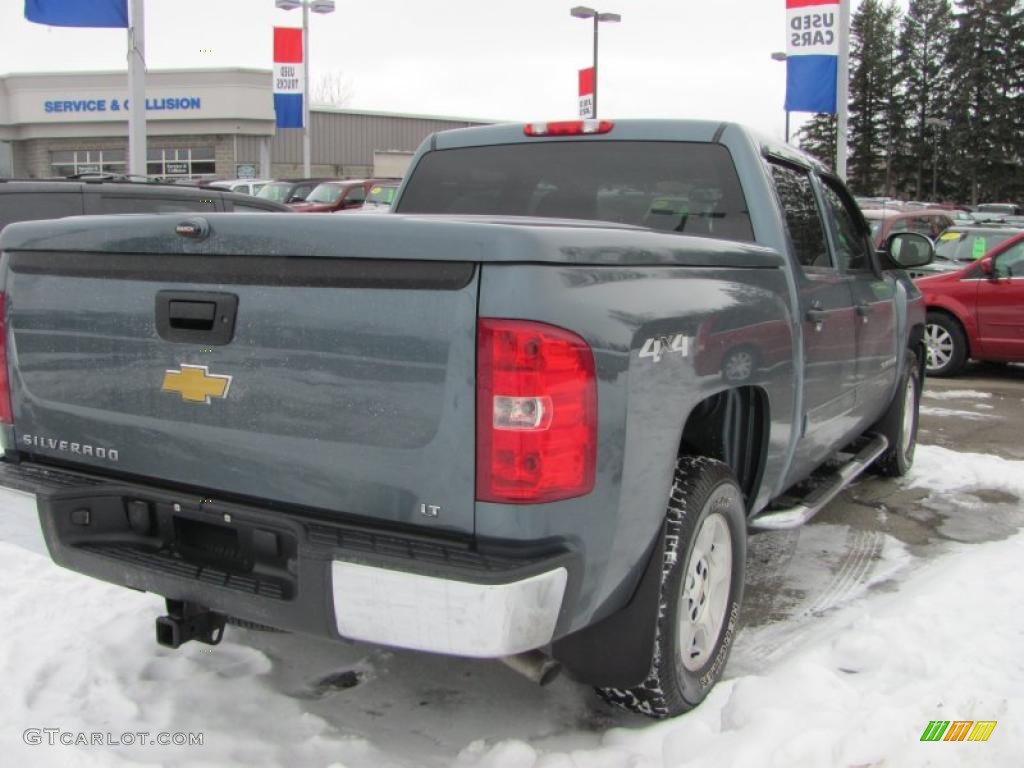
{"points": [[616, 651]]}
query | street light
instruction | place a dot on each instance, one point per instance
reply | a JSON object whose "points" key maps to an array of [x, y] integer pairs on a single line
{"points": [[582, 12], [781, 56], [316, 6], [935, 122]]}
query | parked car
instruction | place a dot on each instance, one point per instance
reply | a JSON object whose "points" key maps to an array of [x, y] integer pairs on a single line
{"points": [[488, 424], [997, 210], [289, 190], [977, 311], [929, 222], [27, 200], [960, 245], [334, 196], [241, 186], [380, 197]]}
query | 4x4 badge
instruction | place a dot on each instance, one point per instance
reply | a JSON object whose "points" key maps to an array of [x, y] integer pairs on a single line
{"points": [[196, 384]]}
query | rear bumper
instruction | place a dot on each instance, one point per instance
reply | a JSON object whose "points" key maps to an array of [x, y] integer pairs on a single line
{"points": [[305, 572]]}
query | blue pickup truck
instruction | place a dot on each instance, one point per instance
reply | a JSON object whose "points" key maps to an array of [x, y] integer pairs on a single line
{"points": [[531, 415]]}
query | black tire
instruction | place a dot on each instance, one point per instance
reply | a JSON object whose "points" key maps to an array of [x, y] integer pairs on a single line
{"points": [[946, 345], [704, 494], [899, 426]]}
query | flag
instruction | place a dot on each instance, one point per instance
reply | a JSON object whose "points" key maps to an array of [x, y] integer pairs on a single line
{"points": [[586, 92], [288, 77], [78, 13], [812, 55]]}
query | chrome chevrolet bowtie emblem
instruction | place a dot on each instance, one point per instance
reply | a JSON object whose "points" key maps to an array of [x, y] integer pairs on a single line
{"points": [[196, 384]]}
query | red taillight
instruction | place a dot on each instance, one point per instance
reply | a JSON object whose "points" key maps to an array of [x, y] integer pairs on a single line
{"points": [[536, 417], [6, 416], [568, 128]]}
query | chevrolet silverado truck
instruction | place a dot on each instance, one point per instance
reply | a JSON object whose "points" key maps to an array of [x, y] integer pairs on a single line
{"points": [[532, 415]]}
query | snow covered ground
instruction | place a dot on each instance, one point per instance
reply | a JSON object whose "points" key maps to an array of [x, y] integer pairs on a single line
{"points": [[872, 641]]}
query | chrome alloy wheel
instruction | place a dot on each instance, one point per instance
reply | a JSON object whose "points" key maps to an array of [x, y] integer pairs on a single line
{"points": [[939, 345], [705, 595], [909, 401]]}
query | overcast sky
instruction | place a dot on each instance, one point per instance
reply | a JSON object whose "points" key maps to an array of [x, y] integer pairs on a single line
{"points": [[466, 58]]}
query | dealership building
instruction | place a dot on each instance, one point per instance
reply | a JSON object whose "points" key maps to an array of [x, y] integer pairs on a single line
{"points": [[199, 122]]}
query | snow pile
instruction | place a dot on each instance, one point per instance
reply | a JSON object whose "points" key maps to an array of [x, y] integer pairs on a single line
{"points": [[941, 470], [955, 394], [928, 410], [856, 688]]}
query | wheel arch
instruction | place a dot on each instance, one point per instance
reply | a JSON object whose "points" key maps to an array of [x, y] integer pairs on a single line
{"points": [[960, 317], [732, 426]]}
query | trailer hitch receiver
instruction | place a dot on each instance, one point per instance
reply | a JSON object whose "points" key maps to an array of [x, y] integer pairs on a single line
{"points": [[188, 621]]}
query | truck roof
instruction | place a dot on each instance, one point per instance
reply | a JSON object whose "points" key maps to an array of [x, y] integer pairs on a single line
{"points": [[622, 130]]}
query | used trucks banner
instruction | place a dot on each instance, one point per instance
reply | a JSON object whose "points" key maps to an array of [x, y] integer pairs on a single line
{"points": [[812, 54]]}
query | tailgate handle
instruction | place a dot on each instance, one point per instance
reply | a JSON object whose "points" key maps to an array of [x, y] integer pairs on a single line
{"points": [[196, 317], [193, 315]]}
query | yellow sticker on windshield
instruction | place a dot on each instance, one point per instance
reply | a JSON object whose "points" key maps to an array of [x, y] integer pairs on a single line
{"points": [[979, 248], [950, 236]]}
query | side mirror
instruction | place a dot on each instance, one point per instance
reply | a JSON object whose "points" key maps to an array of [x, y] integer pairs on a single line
{"points": [[908, 250]]}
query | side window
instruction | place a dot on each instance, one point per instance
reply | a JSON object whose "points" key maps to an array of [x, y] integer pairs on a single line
{"points": [[1010, 263], [240, 207], [899, 225], [923, 225], [355, 195], [851, 241], [803, 220]]}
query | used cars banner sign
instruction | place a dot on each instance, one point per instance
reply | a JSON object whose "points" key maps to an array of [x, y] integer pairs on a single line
{"points": [[812, 54], [288, 77], [78, 13]]}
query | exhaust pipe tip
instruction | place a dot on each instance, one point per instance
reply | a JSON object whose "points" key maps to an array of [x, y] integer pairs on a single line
{"points": [[536, 666]]}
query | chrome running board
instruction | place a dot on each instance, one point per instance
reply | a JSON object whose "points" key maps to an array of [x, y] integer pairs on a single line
{"points": [[792, 517]]}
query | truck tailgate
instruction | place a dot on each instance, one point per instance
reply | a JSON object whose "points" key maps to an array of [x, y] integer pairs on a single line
{"points": [[345, 385]]}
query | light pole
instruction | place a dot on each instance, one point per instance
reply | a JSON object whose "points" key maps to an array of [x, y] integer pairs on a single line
{"points": [[316, 6], [936, 123], [781, 56], [582, 12]]}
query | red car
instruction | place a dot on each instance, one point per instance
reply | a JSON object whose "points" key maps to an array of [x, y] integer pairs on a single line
{"points": [[332, 196], [977, 311]]}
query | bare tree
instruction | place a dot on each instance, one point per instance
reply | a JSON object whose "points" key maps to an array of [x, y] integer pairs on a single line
{"points": [[334, 89]]}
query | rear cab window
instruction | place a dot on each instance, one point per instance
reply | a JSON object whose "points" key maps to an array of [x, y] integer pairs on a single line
{"points": [[32, 206], [110, 203], [689, 188]]}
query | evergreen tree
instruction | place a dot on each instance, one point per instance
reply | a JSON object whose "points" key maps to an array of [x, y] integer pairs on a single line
{"points": [[818, 138], [986, 137], [872, 86], [922, 99]]}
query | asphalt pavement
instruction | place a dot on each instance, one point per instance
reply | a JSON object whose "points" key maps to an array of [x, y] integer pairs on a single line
{"points": [[878, 526]]}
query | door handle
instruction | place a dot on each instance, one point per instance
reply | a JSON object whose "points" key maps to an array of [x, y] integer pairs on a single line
{"points": [[816, 315]]}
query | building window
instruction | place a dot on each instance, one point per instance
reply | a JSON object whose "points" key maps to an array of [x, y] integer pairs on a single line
{"points": [[181, 163], [75, 161]]}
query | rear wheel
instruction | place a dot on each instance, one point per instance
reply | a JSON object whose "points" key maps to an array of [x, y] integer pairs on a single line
{"points": [[700, 592], [899, 424], [945, 344]]}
